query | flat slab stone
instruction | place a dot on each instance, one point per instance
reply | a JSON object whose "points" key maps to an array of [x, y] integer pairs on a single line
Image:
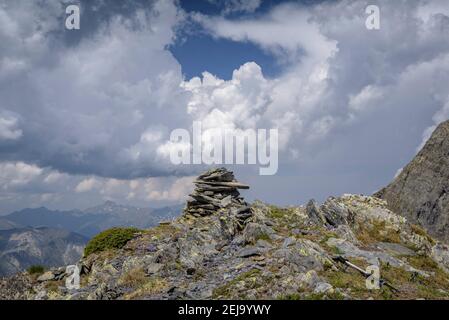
{"points": [[395, 248], [249, 252], [223, 184]]}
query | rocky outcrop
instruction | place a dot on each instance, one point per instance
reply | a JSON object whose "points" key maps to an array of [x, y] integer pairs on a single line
{"points": [[421, 191], [273, 253]]}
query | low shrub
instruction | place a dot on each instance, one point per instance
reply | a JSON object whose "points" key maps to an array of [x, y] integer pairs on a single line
{"points": [[114, 238], [36, 269]]}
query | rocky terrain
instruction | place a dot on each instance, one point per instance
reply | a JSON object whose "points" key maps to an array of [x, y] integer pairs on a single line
{"points": [[223, 248], [22, 247], [421, 191], [40, 236]]}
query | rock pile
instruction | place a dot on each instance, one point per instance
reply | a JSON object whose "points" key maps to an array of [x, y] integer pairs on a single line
{"points": [[217, 189]]}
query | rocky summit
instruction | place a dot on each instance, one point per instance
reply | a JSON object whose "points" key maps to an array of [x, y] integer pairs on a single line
{"points": [[421, 191], [223, 248]]}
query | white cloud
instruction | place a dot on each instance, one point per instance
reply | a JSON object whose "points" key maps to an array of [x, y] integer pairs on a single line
{"points": [[348, 102], [287, 31], [87, 185], [9, 128], [176, 192], [54, 177], [17, 174], [237, 102], [365, 98]]}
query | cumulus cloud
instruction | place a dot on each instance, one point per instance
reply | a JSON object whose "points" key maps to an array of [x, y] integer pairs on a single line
{"points": [[87, 185], [85, 105], [17, 174], [95, 115], [9, 128], [287, 31], [352, 101], [366, 97]]}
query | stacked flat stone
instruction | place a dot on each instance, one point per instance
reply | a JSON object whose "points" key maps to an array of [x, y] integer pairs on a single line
{"points": [[217, 189]]}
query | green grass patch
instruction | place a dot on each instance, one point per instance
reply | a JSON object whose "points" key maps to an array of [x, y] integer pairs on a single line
{"points": [[377, 231], [277, 213], [36, 269], [421, 232], [114, 238]]}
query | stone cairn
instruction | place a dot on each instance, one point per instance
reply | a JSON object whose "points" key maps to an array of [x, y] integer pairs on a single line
{"points": [[217, 189]]}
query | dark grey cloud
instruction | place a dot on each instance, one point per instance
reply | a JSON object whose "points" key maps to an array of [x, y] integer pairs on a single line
{"points": [[84, 107], [85, 115]]}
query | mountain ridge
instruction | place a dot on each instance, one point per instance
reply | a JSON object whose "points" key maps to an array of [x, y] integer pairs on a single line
{"points": [[93, 220], [224, 248], [421, 191], [29, 223]]}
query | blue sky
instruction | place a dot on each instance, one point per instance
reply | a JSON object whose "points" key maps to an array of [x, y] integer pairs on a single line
{"points": [[86, 115], [220, 57], [198, 52]]}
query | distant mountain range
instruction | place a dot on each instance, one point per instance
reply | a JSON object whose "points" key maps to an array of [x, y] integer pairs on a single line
{"points": [[93, 220], [52, 237]]}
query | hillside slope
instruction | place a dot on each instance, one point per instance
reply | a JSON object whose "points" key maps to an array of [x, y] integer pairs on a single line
{"points": [[22, 247], [421, 191]]}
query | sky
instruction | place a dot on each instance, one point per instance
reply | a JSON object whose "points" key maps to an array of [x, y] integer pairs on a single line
{"points": [[86, 115]]}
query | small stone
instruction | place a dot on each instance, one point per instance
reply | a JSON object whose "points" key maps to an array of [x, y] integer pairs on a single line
{"points": [[226, 201], [41, 295], [323, 287], [249, 252], [263, 244], [310, 278], [151, 248], [288, 242], [47, 276], [154, 268]]}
